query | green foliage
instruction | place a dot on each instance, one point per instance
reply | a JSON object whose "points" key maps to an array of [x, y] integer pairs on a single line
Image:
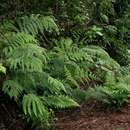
{"points": [[2, 69], [43, 77], [13, 89], [60, 101], [35, 23], [34, 107], [22, 52], [94, 32], [113, 92], [30, 75], [53, 51]]}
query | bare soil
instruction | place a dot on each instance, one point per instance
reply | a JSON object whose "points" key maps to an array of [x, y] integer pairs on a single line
{"points": [[94, 116], [10, 118]]}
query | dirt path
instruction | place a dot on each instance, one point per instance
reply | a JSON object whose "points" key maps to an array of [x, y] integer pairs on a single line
{"points": [[93, 116]]}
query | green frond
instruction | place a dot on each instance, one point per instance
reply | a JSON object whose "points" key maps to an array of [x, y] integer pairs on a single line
{"points": [[33, 106], [49, 24], [12, 88], [110, 78], [96, 51], [81, 74], [92, 76], [55, 86], [113, 94], [36, 23], [125, 79], [65, 44], [79, 95], [18, 40], [115, 89], [102, 58], [27, 57], [70, 51], [60, 102], [22, 52], [69, 78]]}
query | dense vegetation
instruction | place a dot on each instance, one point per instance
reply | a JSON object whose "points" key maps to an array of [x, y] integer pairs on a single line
{"points": [[55, 54]]}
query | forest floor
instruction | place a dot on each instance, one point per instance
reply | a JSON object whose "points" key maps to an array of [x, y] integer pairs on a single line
{"points": [[90, 116], [94, 116]]}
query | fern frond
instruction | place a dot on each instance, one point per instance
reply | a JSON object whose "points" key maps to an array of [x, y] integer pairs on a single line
{"points": [[22, 52], [36, 23], [49, 24], [96, 51], [79, 95], [56, 86], [71, 52], [34, 107], [101, 57], [18, 40], [114, 94], [110, 78], [125, 79], [69, 78], [12, 88], [29, 57], [60, 102], [92, 76], [81, 74]]}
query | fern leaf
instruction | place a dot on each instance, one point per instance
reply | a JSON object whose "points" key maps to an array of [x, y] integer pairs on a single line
{"points": [[60, 102], [24, 53], [12, 88], [56, 86], [70, 78], [34, 107], [36, 23]]}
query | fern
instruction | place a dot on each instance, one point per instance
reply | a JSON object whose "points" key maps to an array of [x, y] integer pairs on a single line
{"points": [[71, 51], [13, 89], [55, 85], [115, 91], [69, 78], [42, 79], [75, 61], [35, 23], [47, 78], [113, 95], [22, 52], [60, 102], [102, 57], [110, 79], [34, 107], [79, 95]]}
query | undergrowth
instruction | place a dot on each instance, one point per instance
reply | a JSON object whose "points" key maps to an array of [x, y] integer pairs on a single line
{"points": [[59, 56]]}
